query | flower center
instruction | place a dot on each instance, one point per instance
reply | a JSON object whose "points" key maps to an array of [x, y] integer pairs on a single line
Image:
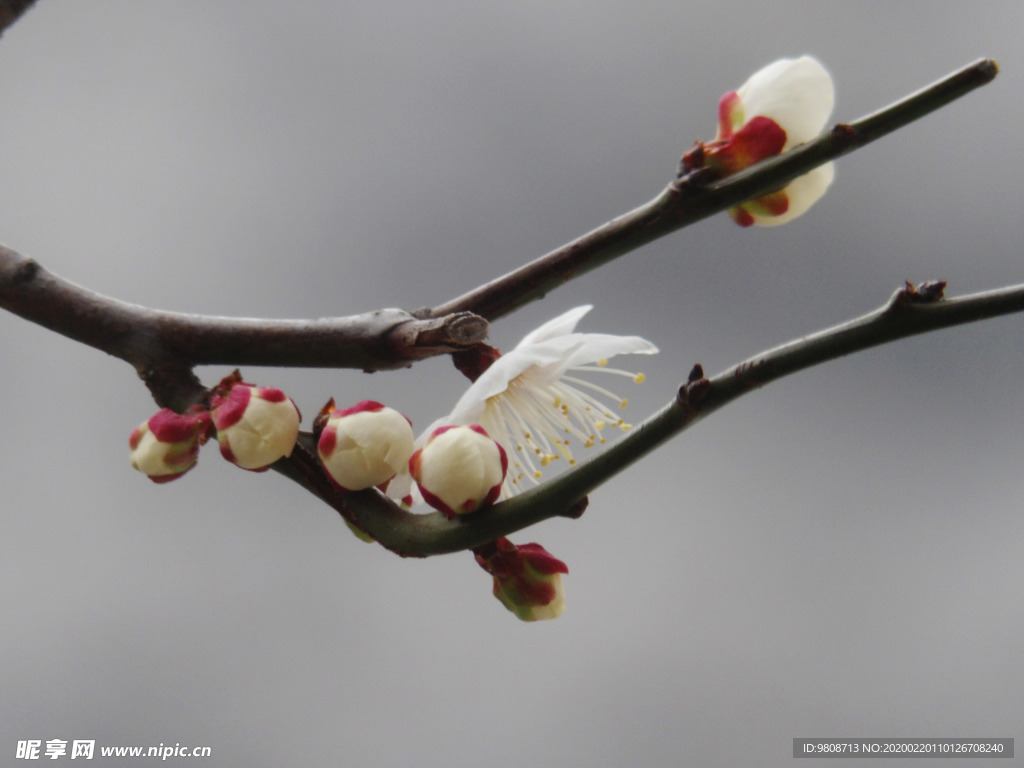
{"points": [[535, 421]]}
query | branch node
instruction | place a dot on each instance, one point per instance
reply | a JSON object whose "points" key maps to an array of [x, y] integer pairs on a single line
{"points": [[928, 292], [25, 272], [691, 395], [455, 331], [843, 134], [173, 386], [575, 512]]}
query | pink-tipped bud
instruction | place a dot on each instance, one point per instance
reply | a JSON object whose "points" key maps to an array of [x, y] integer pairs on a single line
{"points": [[167, 445], [527, 578], [255, 426], [459, 470], [365, 445], [781, 105]]}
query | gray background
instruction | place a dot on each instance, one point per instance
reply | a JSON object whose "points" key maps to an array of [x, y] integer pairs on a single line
{"points": [[840, 554]]}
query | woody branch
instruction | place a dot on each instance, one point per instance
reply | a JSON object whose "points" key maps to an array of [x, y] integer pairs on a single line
{"points": [[161, 343], [910, 311], [164, 346]]}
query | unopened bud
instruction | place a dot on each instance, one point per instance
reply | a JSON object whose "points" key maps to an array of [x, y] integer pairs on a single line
{"points": [[459, 470], [365, 445], [167, 445], [527, 578], [255, 426]]}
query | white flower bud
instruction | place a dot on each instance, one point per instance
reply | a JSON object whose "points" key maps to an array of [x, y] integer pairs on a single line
{"points": [[365, 445], [783, 104], [459, 470], [255, 426], [166, 446]]}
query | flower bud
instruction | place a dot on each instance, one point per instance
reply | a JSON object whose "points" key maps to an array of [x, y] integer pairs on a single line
{"points": [[527, 579], [459, 470], [255, 426], [365, 445], [167, 445], [783, 104]]}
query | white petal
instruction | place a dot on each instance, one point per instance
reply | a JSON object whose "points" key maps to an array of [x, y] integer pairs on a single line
{"points": [[803, 192], [544, 362], [795, 93], [600, 346], [559, 326]]}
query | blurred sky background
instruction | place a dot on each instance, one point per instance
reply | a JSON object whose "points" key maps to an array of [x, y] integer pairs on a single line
{"points": [[838, 554]]}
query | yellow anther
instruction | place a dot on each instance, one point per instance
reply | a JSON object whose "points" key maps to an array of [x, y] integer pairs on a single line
{"points": [[639, 378], [602, 362], [624, 403]]}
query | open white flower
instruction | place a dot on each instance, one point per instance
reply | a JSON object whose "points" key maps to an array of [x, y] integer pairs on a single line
{"points": [[531, 401]]}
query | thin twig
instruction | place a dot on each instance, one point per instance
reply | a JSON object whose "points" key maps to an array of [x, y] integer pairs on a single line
{"points": [[687, 200], [909, 312]]}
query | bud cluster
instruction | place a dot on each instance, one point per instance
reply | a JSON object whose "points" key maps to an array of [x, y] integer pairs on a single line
{"points": [[459, 470], [526, 405], [255, 426]]}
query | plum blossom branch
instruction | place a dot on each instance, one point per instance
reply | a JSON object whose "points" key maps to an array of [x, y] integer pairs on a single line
{"points": [[910, 311], [164, 346], [697, 195]]}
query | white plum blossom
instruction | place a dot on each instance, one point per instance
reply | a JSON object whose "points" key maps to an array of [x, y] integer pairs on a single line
{"points": [[532, 401], [780, 106], [459, 470]]}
